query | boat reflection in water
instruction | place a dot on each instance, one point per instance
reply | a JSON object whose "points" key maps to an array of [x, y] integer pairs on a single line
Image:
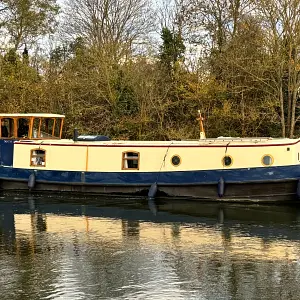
{"points": [[113, 248]]}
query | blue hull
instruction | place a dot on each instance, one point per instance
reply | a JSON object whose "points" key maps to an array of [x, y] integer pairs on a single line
{"points": [[247, 175], [269, 184]]}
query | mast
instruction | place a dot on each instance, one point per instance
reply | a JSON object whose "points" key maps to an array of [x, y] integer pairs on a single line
{"points": [[202, 131]]}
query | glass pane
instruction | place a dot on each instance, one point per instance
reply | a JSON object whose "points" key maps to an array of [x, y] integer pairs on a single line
{"points": [[267, 160], [38, 157], [5, 128], [47, 127], [130, 160], [35, 128], [175, 160], [132, 154], [57, 127], [132, 164], [23, 127], [39, 152], [227, 161]]}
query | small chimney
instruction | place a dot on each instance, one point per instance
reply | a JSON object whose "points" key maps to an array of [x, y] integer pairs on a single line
{"points": [[75, 136]]}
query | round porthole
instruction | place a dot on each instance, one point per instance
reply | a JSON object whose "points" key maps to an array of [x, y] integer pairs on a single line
{"points": [[176, 160], [227, 161], [267, 160]]}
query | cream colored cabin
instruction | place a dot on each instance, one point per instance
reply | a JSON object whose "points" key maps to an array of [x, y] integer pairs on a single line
{"points": [[31, 126], [134, 156], [40, 146]]}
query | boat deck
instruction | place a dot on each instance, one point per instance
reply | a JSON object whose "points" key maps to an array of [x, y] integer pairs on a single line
{"points": [[221, 141]]}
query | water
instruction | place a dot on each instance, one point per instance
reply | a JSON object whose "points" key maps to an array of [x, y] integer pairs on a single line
{"points": [[109, 248]]}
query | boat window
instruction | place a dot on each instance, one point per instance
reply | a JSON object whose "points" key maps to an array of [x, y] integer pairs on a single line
{"points": [[176, 160], [7, 127], [36, 131], [227, 161], [267, 160], [47, 127], [23, 127], [38, 158], [130, 160], [57, 127]]}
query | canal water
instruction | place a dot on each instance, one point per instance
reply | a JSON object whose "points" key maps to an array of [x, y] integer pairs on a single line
{"points": [[59, 247]]}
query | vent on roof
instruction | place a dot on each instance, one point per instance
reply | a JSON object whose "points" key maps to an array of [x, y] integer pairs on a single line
{"points": [[93, 138]]}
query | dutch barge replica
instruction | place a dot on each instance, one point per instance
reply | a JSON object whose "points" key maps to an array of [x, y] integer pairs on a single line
{"points": [[34, 156]]}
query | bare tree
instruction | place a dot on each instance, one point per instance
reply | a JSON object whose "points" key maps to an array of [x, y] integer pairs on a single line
{"points": [[114, 26], [282, 27]]}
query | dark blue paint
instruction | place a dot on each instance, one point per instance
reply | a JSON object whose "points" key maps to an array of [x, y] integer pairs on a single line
{"points": [[266, 174], [6, 152]]}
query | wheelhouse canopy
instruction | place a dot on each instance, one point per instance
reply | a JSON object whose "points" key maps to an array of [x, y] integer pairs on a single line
{"points": [[28, 115], [31, 126]]}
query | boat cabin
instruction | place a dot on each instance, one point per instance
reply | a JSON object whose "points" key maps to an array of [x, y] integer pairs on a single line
{"points": [[31, 126]]}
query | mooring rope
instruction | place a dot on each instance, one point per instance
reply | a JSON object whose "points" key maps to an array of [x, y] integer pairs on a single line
{"points": [[163, 161]]}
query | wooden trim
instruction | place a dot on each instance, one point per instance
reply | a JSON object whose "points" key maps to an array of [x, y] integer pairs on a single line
{"points": [[30, 129], [61, 127], [39, 155], [87, 159], [15, 122], [130, 158], [53, 128]]}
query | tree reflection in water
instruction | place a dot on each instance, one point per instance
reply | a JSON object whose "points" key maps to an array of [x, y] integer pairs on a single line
{"points": [[74, 250]]}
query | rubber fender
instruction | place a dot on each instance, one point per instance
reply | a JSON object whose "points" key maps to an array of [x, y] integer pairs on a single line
{"points": [[298, 189], [31, 181], [152, 191], [221, 187]]}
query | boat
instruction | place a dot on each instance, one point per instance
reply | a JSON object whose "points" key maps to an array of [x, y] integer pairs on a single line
{"points": [[35, 157]]}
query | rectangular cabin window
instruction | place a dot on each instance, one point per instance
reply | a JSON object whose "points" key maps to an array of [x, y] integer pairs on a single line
{"points": [[130, 160], [7, 127], [36, 130], [38, 158], [48, 126], [57, 127], [23, 128]]}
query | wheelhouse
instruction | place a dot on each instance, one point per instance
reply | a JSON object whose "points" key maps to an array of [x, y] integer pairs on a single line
{"points": [[31, 126]]}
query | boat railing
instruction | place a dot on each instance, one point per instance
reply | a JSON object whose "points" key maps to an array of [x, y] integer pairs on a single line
{"points": [[231, 139]]}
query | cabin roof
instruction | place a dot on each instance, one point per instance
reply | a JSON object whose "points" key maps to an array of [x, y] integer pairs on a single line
{"points": [[241, 142], [28, 115]]}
